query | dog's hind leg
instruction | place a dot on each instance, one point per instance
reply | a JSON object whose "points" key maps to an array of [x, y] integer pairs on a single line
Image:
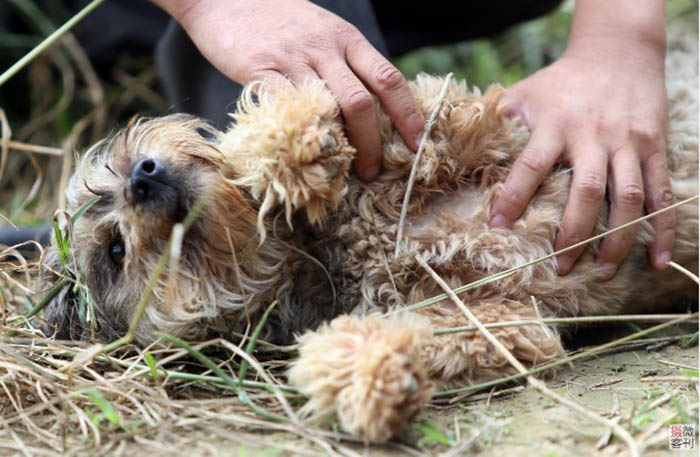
{"points": [[368, 372], [375, 374], [467, 357]]}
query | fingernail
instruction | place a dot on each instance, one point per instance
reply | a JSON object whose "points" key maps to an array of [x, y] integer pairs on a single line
{"points": [[499, 221], [512, 112], [515, 111], [607, 270], [370, 173], [563, 265], [418, 139], [663, 259]]}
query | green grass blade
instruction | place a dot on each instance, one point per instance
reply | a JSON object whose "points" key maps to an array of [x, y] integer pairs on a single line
{"points": [[228, 380], [31, 55], [78, 214], [253, 340], [47, 298], [152, 365], [105, 406]]}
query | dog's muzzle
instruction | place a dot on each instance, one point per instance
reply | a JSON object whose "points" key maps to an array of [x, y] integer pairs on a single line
{"points": [[149, 181], [153, 188]]}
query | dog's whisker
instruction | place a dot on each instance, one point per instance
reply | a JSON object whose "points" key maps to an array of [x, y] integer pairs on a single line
{"points": [[176, 239]]}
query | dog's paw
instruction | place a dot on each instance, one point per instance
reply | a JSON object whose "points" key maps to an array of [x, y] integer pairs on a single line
{"points": [[367, 372], [288, 148], [313, 175], [388, 390]]}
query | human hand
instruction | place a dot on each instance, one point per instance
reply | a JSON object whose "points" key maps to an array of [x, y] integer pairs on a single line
{"points": [[251, 40], [605, 114]]}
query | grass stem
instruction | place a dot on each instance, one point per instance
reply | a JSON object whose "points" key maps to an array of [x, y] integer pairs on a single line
{"points": [[564, 320], [416, 160], [51, 39]]}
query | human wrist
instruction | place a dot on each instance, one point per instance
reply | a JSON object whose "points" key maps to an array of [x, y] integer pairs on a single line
{"points": [[178, 9], [619, 29]]}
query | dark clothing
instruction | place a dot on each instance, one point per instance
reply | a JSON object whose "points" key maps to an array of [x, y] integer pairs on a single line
{"points": [[408, 25]]}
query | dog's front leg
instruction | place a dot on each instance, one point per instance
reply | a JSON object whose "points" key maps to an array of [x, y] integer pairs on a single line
{"points": [[289, 149], [368, 372]]}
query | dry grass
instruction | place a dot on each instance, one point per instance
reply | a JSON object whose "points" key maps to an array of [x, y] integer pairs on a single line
{"points": [[209, 398], [67, 398]]}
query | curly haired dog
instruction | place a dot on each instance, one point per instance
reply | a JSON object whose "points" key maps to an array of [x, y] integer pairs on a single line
{"points": [[282, 219]]}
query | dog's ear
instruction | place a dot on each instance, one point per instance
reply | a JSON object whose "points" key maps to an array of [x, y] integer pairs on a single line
{"points": [[208, 132], [60, 314], [200, 126]]}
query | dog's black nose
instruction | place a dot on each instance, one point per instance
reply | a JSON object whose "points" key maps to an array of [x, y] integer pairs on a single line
{"points": [[148, 180]]}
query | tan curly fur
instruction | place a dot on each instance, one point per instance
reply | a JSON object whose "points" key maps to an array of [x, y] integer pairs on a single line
{"points": [[286, 156]]}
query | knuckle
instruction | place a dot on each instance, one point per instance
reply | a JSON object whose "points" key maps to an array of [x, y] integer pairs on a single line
{"points": [[346, 32], [648, 137], [569, 237], [262, 58], [388, 77], [591, 187], [315, 47], [260, 62], [357, 101], [315, 40], [632, 195], [663, 199], [561, 119], [534, 163]]}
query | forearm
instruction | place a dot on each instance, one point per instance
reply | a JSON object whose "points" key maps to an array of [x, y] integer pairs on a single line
{"points": [[185, 11], [608, 25], [176, 8]]}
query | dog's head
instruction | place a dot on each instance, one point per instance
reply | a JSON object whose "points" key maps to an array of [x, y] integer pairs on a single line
{"points": [[149, 177]]}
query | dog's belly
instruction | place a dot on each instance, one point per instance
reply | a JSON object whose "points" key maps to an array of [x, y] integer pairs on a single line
{"points": [[449, 214]]}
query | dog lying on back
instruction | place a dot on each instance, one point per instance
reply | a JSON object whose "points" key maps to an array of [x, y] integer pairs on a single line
{"points": [[282, 219]]}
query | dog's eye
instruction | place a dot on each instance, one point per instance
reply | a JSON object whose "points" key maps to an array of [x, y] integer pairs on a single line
{"points": [[117, 251]]}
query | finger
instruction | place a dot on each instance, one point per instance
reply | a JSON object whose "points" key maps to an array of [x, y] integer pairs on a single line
{"points": [[357, 106], [626, 204], [268, 80], [585, 199], [657, 187], [385, 81], [528, 171], [271, 80]]}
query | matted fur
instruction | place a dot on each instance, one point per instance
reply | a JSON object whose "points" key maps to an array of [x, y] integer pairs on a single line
{"points": [[286, 158]]}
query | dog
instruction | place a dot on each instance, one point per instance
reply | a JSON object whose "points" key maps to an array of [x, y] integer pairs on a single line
{"points": [[279, 218]]}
